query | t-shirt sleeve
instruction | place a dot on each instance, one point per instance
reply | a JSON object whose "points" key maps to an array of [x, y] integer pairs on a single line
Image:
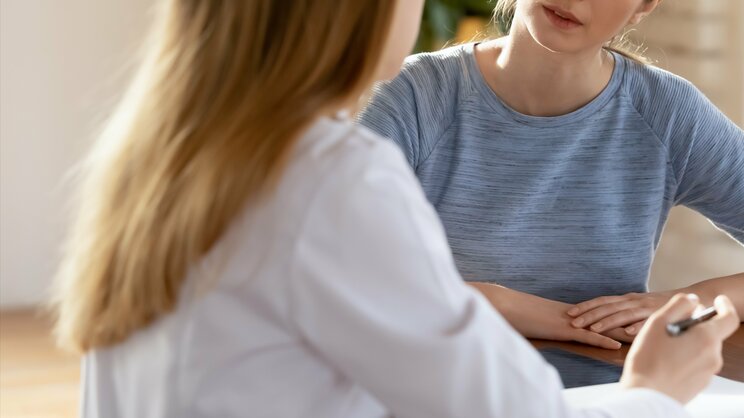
{"points": [[417, 107], [392, 113], [707, 153]]}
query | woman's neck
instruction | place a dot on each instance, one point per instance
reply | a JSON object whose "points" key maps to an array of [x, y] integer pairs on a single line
{"points": [[535, 81]]}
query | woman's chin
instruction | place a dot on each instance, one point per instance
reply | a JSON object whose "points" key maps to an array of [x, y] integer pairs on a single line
{"points": [[558, 43]]}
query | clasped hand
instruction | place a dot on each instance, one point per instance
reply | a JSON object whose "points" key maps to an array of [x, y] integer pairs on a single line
{"points": [[627, 312]]}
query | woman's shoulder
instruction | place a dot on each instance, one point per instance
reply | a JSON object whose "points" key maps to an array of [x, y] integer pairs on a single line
{"points": [[341, 138], [446, 62], [668, 103], [417, 105], [649, 87], [337, 148], [431, 75], [329, 164], [340, 166]]}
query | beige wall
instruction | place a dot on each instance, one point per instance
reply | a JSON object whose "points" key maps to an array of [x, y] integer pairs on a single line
{"points": [[60, 69], [703, 41]]}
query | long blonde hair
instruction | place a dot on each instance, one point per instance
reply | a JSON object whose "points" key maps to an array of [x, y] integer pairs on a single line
{"points": [[503, 16], [224, 91]]}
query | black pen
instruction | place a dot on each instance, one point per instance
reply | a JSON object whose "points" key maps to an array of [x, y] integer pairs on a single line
{"points": [[676, 328]]}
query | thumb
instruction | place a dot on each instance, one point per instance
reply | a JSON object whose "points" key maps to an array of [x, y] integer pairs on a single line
{"points": [[680, 307], [726, 320]]}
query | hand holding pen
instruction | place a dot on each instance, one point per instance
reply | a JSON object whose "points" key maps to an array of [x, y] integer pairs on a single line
{"points": [[678, 351], [677, 328]]}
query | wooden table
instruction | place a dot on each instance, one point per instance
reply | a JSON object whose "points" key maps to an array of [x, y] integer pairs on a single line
{"points": [[733, 353]]}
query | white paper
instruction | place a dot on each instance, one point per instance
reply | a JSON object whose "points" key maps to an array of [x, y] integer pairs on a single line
{"points": [[723, 398]]}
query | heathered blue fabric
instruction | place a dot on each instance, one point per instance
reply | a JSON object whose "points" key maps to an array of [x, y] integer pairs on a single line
{"points": [[569, 207]]}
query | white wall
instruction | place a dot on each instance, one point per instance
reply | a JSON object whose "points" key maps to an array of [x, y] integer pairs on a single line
{"points": [[62, 63]]}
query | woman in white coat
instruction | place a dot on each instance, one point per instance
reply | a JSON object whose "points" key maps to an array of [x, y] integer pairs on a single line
{"points": [[242, 249]]}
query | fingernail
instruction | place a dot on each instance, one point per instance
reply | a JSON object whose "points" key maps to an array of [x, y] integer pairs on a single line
{"points": [[720, 299], [618, 345], [573, 311], [578, 322], [597, 326], [630, 330], [693, 297]]}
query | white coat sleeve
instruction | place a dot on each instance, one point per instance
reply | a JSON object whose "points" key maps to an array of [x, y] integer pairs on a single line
{"points": [[375, 291]]}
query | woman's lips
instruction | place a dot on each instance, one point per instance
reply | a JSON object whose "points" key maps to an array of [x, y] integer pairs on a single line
{"points": [[560, 18]]}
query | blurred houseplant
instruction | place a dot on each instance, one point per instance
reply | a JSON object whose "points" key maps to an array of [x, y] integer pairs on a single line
{"points": [[447, 20]]}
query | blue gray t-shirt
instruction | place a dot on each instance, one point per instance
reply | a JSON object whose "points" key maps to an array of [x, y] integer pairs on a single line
{"points": [[569, 207]]}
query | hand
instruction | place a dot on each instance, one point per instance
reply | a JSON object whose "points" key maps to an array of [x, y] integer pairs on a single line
{"points": [[536, 317], [679, 366], [610, 312]]}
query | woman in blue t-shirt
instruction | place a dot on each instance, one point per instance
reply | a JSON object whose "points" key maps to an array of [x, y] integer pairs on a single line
{"points": [[553, 159]]}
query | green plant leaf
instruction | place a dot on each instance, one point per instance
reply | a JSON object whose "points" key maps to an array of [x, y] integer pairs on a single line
{"points": [[442, 18]]}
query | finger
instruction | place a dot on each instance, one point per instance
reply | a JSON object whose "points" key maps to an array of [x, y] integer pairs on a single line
{"points": [[618, 334], [635, 328], [726, 320], [594, 315], [680, 307], [590, 304], [622, 318], [598, 340]]}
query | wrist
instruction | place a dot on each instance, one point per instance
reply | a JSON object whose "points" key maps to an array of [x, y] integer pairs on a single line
{"points": [[675, 400], [637, 381], [703, 290]]}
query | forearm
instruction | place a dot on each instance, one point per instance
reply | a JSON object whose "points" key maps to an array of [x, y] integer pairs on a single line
{"points": [[490, 290], [496, 294], [537, 317], [522, 311], [510, 304], [731, 286]]}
